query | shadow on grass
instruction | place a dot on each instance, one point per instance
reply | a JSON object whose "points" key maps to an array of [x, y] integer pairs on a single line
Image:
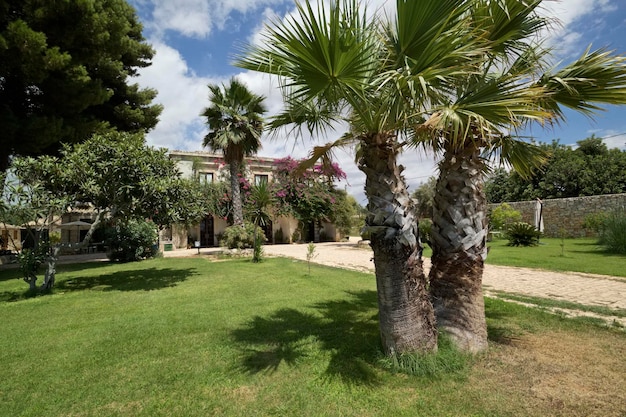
{"points": [[136, 280], [500, 318], [347, 330]]}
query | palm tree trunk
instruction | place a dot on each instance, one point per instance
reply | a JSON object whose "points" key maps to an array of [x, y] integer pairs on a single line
{"points": [[407, 322], [458, 240], [236, 193]]}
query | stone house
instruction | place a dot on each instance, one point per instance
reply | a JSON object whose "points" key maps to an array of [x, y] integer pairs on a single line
{"points": [[210, 167]]}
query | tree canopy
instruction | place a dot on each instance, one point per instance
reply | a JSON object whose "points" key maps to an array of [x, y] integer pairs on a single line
{"points": [[588, 169], [64, 74], [120, 177]]}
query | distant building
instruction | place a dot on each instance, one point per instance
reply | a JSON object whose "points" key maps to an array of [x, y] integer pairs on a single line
{"points": [[209, 167]]}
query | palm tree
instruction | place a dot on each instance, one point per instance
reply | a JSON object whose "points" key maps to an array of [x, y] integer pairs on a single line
{"points": [[509, 89], [339, 64], [235, 127]]}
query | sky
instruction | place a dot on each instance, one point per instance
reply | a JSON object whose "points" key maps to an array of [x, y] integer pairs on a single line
{"points": [[195, 42]]}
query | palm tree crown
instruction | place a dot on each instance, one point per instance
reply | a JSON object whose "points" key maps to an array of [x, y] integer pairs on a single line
{"points": [[235, 127]]}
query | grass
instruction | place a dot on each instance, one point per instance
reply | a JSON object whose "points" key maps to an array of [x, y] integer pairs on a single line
{"points": [[576, 255], [560, 304], [194, 337]]}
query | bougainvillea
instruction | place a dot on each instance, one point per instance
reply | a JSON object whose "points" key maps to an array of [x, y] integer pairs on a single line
{"points": [[309, 196]]}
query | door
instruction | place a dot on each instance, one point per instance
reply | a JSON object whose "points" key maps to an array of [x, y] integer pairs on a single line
{"points": [[207, 232]]}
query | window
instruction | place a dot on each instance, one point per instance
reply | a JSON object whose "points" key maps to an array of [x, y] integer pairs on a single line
{"points": [[206, 177], [260, 179]]}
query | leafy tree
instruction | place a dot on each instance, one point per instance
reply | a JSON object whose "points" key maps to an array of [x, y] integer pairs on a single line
{"points": [[121, 178], [64, 74], [32, 206], [509, 87], [424, 195], [339, 64], [590, 169], [235, 126]]}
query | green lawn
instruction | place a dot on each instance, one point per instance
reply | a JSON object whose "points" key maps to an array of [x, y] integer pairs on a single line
{"points": [[577, 255], [194, 337]]}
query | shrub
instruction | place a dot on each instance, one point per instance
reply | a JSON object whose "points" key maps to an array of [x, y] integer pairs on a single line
{"points": [[132, 241], [425, 226], [595, 222], [295, 237], [522, 234], [503, 216], [613, 234], [238, 237]]}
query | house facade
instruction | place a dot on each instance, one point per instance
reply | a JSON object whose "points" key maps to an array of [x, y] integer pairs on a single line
{"points": [[210, 167]]}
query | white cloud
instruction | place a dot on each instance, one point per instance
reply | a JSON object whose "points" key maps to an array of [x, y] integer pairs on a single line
{"points": [[564, 37], [183, 96], [198, 18]]}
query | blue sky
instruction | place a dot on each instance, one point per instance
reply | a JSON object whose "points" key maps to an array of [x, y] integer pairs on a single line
{"points": [[195, 41]]}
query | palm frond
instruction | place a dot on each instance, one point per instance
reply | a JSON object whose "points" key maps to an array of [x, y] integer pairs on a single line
{"points": [[327, 52], [596, 78], [524, 157], [324, 154]]}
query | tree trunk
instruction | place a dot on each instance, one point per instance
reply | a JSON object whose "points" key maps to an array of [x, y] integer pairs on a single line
{"points": [[49, 278], [92, 229], [236, 194], [407, 322], [458, 240]]}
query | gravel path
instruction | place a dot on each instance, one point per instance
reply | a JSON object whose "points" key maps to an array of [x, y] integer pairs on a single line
{"points": [[587, 289]]}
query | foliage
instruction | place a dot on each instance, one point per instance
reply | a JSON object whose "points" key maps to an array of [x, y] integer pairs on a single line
{"points": [[242, 236], [310, 254], [522, 234], [503, 216], [235, 126], [65, 69], [27, 203], [425, 227], [309, 195], [589, 169], [131, 241], [344, 213], [120, 177], [595, 221], [259, 203], [424, 195], [613, 233]]}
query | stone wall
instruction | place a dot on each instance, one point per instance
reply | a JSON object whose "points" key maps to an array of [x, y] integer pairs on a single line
{"points": [[568, 214]]}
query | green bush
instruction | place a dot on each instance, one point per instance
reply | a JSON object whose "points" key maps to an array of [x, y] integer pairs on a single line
{"points": [[503, 216], [613, 233], [425, 227], [522, 234], [237, 237], [595, 222], [132, 241]]}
